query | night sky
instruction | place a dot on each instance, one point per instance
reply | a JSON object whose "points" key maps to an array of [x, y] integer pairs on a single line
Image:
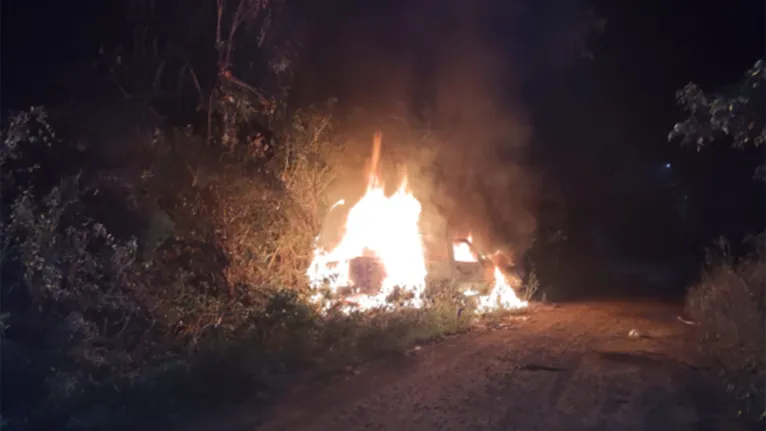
{"points": [[599, 126], [612, 114]]}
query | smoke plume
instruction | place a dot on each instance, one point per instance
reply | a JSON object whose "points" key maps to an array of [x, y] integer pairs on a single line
{"points": [[441, 80]]}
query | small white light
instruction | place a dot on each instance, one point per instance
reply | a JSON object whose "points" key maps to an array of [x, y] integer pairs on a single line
{"points": [[667, 165]]}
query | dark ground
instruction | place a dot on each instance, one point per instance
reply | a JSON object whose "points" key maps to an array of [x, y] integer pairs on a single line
{"points": [[568, 367]]}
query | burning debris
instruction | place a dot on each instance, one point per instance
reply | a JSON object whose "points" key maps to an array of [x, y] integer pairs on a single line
{"points": [[502, 295], [462, 251], [381, 255]]}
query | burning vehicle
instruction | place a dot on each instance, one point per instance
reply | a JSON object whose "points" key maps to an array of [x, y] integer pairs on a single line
{"points": [[387, 251]]}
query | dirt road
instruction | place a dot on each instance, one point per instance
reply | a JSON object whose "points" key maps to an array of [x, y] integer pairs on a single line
{"points": [[571, 367]]}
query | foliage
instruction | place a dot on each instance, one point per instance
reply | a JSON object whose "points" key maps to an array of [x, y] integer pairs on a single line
{"points": [[179, 63], [730, 301], [730, 305], [168, 274], [239, 189], [269, 220], [531, 287], [118, 311], [125, 263], [104, 306], [738, 112], [81, 308]]}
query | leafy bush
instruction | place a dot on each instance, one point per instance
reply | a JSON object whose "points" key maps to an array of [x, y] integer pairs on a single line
{"points": [[268, 221], [99, 287], [82, 311], [287, 339], [730, 305], [737, 113], [122, 305]]}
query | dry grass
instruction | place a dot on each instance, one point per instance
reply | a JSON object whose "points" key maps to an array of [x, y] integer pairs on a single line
{"points": [[729, 304], [267, 223], [288, 339]]}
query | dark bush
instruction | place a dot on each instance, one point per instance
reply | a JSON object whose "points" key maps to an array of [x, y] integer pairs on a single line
{"points": [[729, 304], [122, 306]]}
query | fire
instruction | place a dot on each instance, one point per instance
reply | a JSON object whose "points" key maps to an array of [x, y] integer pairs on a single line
{"points": [[382, 232], [386, 229], [502, 295], [463, 252]]}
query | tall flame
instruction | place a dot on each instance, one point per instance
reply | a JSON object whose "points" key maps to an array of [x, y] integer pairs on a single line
{"points": [[386, 230]]}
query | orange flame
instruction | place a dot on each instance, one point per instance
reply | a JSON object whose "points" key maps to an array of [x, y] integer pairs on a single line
{"points": [[462, 251], [386, 229], [502, 295]]}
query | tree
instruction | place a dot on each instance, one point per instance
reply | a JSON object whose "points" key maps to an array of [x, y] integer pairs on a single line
{"points": [[727, 302], [737, 112], [232, 63]]}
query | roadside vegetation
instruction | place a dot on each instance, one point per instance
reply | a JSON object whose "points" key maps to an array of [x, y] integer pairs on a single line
{"points": [[151, 277], [729, 302], [120, 307]]}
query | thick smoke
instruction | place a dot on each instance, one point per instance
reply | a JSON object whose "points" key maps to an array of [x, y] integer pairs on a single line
{"points": [[483, 184], [449, 73]]}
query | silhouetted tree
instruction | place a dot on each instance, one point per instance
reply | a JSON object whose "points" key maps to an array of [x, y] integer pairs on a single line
{"points": [[736, 112]]}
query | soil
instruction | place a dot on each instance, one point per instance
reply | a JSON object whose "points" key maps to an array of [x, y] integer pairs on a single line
{"points": [[587, 366]]}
